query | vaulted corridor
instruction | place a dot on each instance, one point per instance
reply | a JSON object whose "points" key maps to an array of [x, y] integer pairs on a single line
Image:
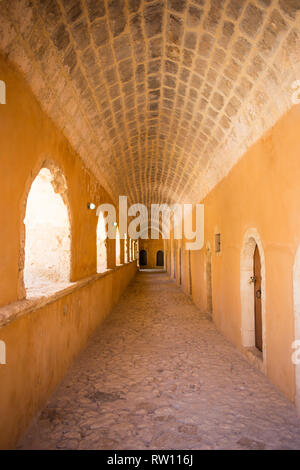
{"points": [[158, 375], [150, 135]]}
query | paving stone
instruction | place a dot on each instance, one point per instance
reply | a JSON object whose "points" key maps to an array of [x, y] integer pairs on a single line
{"points": [[141, 393]]}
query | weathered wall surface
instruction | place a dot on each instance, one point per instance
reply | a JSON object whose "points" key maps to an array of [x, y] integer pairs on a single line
{"points": [[41, 345], [263, 192]]}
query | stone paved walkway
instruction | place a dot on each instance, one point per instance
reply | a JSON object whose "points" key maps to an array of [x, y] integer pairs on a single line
{"points": [[158, 375]]}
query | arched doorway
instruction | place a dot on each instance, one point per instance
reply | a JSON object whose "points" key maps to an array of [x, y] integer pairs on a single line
{"points": [[257, 299], [143, 258], [253, 295], [209, 303], [47, 260], [160, 258]]}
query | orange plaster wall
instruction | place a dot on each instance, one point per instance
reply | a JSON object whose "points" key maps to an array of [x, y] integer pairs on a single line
{"points": [[41, 344], [28, 138], [262, 191]]}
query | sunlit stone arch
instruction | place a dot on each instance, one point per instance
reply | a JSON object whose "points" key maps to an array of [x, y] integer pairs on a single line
{"points": [[45, 237]]}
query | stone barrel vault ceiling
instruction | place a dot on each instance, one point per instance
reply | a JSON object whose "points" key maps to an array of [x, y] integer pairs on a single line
{"points": [[160, 98]]}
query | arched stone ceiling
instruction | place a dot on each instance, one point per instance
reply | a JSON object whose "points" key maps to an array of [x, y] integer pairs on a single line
{"points": [[162, 97]]}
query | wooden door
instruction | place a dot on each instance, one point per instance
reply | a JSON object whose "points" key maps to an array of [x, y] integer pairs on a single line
{"points": [[180, 267], [257, 300], [160, 258], [208, 282]]}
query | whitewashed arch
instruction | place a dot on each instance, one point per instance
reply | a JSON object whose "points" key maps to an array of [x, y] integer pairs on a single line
{"points": [[47, 241], [101, 244], [118, 247], [251, 239], [296, 295]]}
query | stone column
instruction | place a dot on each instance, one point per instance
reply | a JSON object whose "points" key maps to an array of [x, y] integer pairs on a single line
{"points": [[111, 253]]}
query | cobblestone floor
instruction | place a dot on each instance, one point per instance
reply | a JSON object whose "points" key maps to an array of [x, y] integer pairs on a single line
{"points": [[158, 375]]}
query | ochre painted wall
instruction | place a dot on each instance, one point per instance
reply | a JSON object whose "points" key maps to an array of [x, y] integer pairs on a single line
{"points": [[28, 138], [263, 192], [42, 343]]}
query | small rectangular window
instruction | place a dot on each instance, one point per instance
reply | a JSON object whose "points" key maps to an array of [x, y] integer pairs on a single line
{"points": [[217, 243]]}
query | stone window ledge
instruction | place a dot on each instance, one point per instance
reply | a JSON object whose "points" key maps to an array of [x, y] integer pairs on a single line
{"points": [[15, 310]]}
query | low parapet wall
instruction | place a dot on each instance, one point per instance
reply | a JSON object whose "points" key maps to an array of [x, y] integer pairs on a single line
{"points": [[42, 337]]}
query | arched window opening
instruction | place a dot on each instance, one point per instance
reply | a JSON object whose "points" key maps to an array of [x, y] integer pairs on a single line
{"points": [[101, 244], [253, 297], [160, 258], [131, 243], [143, 258], [47, 235], [118, 247]]}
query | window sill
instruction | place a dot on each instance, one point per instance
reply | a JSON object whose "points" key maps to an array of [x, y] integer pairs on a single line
{"points": [[48, 295]]}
